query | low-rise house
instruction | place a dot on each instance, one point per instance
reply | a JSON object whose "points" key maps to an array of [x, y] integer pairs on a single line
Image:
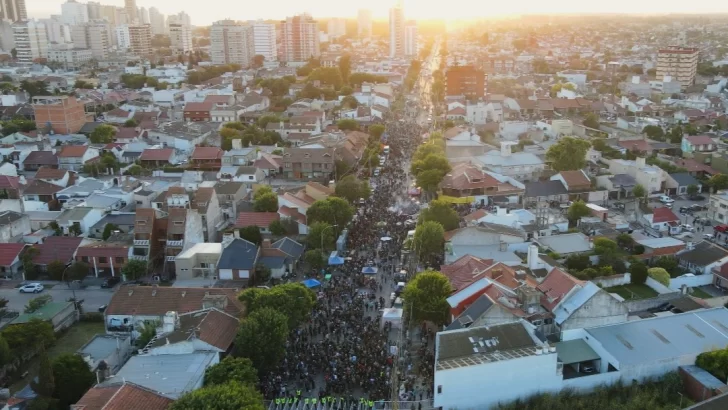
{"points": [[106, 258], [199, 261], [545, 191], [154, 158], [697, 143], [118, 116], [659, 247], [82, 217], [122, 394], [567, 244], [10, 263], [238, 157], [649, 176], [10, 187], [55, 176], [260, 219], [702, 257], [295, 205], [466, 180], [42, 191], [208, 158], [307, 163], [112, 350], [663, 219], [485, 241], [198, 111], [677, 183], [180, 135], [270, 164], [238, 259], [37, 159], [74, 157], [522, 166], [205, 330], [249, 175], [55, 248], [121, 221], [229, 194], [281, 256], [59, 314], [13, 226]]}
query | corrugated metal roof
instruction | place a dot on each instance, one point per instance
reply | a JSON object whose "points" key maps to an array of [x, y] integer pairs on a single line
{"points": [[574, 302], [660, 242]]}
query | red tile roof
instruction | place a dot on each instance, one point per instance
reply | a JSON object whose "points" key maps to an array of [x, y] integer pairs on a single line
{"points": [[467, 176], [50, 173], [217, 99], [8, 252], [41, 158], [198, 106], [72, 151], [56, 248], [635, 145], [163, 154], [555, 287], [700, 139], [96, 251], [122, 397], [663, 214], [292, 213], [156, 301], [218, 329], [8, 182], [126, 133], [462, 272], [457, 111], [118, 112], [474, 216], [207, 153], [259, 219], [38, 187], [575, 178]]}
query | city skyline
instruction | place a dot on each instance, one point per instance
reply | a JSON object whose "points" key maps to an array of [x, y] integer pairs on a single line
{"points": [[214, 10]]}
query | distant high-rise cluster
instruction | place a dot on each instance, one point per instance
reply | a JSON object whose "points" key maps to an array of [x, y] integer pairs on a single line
{"points": [[396, 31], [299, 38], [364, 23]]}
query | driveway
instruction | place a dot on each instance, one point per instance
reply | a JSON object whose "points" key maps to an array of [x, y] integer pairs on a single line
{"points": [[93, 298]]}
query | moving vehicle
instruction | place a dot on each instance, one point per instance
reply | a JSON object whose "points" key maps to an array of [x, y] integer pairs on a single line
{"points": [[31, 288], [687, 228], [666, 199], [110, 282], [386, 150]]}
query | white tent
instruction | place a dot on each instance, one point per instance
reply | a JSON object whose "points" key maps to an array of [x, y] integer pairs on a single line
{"points": [[392, 315]]}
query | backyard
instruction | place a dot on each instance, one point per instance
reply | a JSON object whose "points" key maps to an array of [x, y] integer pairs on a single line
{"points": [[632, 291], [68, 341], [699, 293]]}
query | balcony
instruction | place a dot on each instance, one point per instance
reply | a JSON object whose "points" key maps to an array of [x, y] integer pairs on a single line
{"points": [[140, 257], [175, 244], [141, 242], [170, 258]]}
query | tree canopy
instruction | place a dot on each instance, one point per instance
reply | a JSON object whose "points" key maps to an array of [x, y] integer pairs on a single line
{"points": [[441, 212], [294, 300], [321, 234], [251, 234], [103, 134], [429, 240], [352, 189], [577, 210], [332, 210], [134, 269], [426, 295], [228, 396], [660, 275], [568, 154], [239, 370], [72, 378], [262, 339]]}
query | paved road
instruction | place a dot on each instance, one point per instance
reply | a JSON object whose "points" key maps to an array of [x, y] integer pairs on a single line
{"points": [[93, 298]]}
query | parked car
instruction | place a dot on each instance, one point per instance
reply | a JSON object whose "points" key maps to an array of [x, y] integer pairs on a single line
{"points": [[31, 288], [666, 199], [697, 198], [708, 236], [696, 207], [110, 282], [686, 210], [687, 228], [721, 228]]}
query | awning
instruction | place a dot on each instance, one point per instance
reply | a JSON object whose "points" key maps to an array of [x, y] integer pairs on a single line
{"points": [[335, 259], [370, 270], [575, 351], [311, 283], [456, 200]]}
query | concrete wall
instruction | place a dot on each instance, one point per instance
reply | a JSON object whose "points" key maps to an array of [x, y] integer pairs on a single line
{"points": [[697, 280], [613, 280], [657, 286], [644, 304], [601, 309]]}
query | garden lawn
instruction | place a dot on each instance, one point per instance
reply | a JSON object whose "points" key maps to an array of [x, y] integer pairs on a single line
{"points": [[700, 293], [632, 291]]}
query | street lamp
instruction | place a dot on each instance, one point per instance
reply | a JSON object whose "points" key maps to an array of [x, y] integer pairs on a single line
{"points": [[63, 276]]}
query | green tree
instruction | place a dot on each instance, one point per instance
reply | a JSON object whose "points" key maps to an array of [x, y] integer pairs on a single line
{"points": [[315, 259], [348, 125], [569, 154], [251, 234], [591, 121], [6, 356], [669, 263], [55, 269], [429, 163], [430, 180], [130, 123], [327, 76], [134, 269], [258, 61], [424, 150], [77, 271], [639, 192], [638, 273], [356, 79], [294, 300], [277, 228], [25, 339], [332, 210], [345, 67], [714, 362], [239, 370], [261, 274], [603, 246], [352, 189], [319, 232], [429, 240], [441, 212], [426, 296], [376, 131], [577, 262], [103, 134], [718, 182], [37, 303], [46, 384], [576, 211], [350, 103], [72, 378], [267, 202], [146, 334], [108, 230], [655, 132], [262, 338], [693, 190], [660, 275], [229, 396], [346, 91]]}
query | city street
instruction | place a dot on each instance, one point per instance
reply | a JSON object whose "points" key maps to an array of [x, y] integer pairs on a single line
{"points": [[93, 297]]}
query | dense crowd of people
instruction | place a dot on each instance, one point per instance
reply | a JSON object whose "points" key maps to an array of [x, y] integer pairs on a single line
{"points": [[345, 352]]}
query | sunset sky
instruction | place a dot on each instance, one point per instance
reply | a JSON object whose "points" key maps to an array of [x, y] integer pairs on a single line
{"points": [[207, 11]]}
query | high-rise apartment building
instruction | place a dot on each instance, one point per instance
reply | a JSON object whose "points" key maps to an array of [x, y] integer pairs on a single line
{"points": [[95, 36], [131, 11], [31, 41], [94, 10], [410, 39], [467, 81], [13, 10], [336, 28], [65, 115], [264, 40], [73, 12], [299, 38], [231, 42], [7, 40], [143, 15], [681, 63], [181, 17], [140, 39], [110, 14], [396, 31], [123, 38], [57, 31], [180, 36], [364, 23], [157, 21]]}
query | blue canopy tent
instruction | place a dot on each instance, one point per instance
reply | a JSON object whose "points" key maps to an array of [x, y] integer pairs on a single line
{"points": [[335, 259], [370, 270], [311, 283]]}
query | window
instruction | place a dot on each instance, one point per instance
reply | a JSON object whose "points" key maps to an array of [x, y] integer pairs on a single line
{"points": [[84, 259], [119, 260], [439, 389], [179, 223], [103, 259], [250, 177]]}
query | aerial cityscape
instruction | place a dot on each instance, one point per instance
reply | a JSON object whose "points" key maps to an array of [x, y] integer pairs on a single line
{"points": [[403, 205]]}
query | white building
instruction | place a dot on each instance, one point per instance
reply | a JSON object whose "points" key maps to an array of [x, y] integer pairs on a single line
{"points": [[123, 39], [56, 30], [143, 15], [95, 36], [180, 37], [231, 42], [73, 12], [157, 21], [410, 39], [514, 363], [299, 38], [364, 23], [336, 28], [264, 40], [71, 58], [396, 31], [31, 41], [7, 40]]}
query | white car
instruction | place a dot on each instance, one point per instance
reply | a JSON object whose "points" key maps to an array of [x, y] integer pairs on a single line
{"points": [[687, 228], [31, 288], [666, 199]]}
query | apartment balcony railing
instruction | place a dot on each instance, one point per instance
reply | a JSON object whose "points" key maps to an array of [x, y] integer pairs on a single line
{"points": [[175, 244], [140, 257], [141, 242], [170, 258]]}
